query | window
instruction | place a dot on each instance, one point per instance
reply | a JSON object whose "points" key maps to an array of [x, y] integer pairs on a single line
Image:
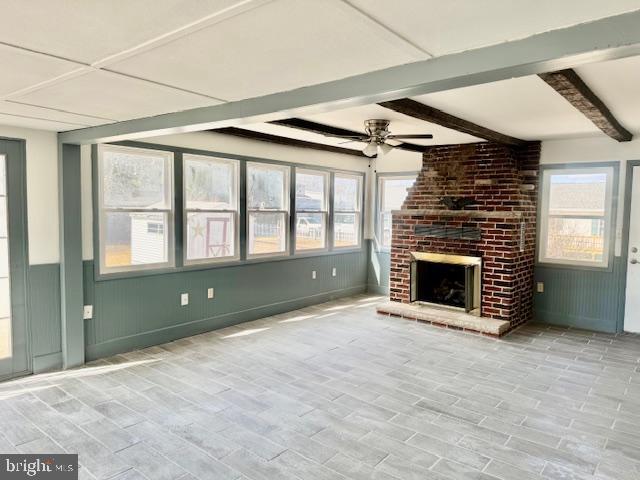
{"points": [[346, 210], [311, 210], [576, 216], [211, 209], [391, 194], [153, 227], [267, 209], [135, 202], [6, 322]]}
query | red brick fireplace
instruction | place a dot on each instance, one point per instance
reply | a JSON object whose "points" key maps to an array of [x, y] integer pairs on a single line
{"points": [[495, 235]]}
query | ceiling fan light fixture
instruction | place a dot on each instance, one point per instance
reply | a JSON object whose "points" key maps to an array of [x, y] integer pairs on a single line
{"points": [[385, 148], [371, 149]]}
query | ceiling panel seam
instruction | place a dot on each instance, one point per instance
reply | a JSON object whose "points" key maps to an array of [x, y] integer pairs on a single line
{"points": [[205, 22], [415, 50], [30, 117], [84, 68], [59, 110]]}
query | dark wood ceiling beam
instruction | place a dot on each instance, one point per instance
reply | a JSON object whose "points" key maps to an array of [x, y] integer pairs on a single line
{"points": [[330, 131], [313, 127], [569, 84], [289, 142], [418, 110]]}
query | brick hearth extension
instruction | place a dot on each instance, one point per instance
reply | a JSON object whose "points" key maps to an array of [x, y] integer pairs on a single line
{"points": [[502, 182]]}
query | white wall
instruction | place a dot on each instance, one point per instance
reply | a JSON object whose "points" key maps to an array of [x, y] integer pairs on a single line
{"points": [[399, 161], [217, 143], [42, 192], [595, 149]]}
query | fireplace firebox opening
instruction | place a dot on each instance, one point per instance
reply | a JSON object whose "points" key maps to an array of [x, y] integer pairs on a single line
{"points": [[446, 280]]}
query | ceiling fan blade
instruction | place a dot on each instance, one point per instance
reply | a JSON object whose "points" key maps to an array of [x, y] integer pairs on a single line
{"points": [[417, 135], [360, 138]]}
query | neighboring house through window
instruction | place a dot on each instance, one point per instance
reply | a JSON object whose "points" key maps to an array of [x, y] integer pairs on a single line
{"points": [[576, 216], [135, 205]]}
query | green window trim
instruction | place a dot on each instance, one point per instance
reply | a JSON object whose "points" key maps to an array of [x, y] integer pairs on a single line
{"points": [[610, 216], [179, 213]]}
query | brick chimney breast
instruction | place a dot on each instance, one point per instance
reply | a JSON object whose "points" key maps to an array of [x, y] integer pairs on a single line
{"points": [[499, 227]]}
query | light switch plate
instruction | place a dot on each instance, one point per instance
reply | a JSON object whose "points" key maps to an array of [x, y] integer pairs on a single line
{"points": [[87, 313], [210, 293], [540, 287], [333, 272], [313, 274], [184, 299]]}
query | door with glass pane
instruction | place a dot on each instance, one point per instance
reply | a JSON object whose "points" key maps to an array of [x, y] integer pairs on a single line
{"points": [[13, 260]]}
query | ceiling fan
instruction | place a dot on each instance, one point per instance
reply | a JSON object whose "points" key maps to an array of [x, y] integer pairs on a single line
{"points": [[376, 136]]}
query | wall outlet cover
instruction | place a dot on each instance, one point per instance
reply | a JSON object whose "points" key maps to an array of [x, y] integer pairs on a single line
{"points": [[313, 274], [184, 299], [87, 313], [333, 272], [540, 287], [210, 293]]}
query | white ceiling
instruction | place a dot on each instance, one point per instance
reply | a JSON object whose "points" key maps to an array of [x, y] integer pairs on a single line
{"points": [[88, 31], [111, 96], [74, 63], [617, 83], [525, 108], [446, 26], [280, 46]]}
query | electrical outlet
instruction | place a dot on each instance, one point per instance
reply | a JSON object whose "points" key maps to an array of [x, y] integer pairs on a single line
{"points": [[333, 272], [87, 313], [540, 287], [184, 299], [313, 274], [210, 293]]}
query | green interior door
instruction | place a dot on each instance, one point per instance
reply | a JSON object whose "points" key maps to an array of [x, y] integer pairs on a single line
{"points": [[13, 260]]}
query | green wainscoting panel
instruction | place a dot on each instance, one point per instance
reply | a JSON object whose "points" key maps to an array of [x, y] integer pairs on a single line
{"points": [[137, 312], [378, 270], [44, 316], [588, 299]]}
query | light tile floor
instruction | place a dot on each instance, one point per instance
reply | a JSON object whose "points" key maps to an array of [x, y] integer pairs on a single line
{"points": [[336, 391]]}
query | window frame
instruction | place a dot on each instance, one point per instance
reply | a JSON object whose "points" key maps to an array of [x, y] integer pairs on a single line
{"points": [[359, 217], [177, 236], [102, 210], [236, 212], [380, 201], [610, 169], [325, 210], [286, 200]]}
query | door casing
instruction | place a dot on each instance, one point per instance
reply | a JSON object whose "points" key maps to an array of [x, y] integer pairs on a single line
{"points": [[15, 152]]}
